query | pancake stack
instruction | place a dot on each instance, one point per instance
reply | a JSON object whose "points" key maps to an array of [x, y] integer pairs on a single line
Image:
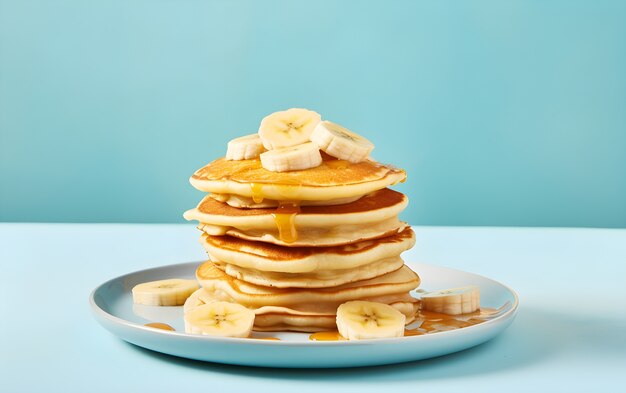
{"points": [[294, 245]]}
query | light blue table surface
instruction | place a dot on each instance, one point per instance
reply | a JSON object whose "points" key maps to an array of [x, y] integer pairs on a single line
{"points": [[570, 334]]}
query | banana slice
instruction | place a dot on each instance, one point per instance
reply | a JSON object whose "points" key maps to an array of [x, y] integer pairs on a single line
{"points": [[453, 301], [340, 142], [245, 147], [288, 128], [293, 158], [220, 319], [171, 292], [357, 320]]}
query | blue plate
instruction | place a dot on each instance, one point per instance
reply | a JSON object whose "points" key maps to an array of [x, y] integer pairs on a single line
{"points": [[113, 308]]}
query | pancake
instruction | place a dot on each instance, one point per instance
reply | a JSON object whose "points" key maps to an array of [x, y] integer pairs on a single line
{"points": [[216, 281], [273, 318], [333, 179], [267, 257], [318, 279], [333, 236], [372, 216]]}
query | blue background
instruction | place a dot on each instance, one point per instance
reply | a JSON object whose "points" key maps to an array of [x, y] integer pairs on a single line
{"points": [[502, 112]]}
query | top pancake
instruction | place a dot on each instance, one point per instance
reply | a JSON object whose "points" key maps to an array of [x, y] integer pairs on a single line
{"points": [[333, 179]]}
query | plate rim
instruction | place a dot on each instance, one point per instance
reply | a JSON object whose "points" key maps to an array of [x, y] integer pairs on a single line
{"points": [[99, 312]]}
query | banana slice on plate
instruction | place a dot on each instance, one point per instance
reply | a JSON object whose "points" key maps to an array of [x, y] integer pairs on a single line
{"points": [[454, 301], [220, 319], [358, 320], [245, 147], [288, 128], [171, 292], [294, 158], [340, 142]]}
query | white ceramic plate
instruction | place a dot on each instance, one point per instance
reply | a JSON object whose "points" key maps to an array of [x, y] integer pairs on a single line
{"points": [[113, 308]]}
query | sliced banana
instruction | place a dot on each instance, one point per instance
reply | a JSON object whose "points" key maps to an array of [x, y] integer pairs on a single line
{"points": [[293, 158], [220, 319], [358, 320], [288, 128], [452, 301], [171, 292], [245, 147], [340, 142], [197, 299]]}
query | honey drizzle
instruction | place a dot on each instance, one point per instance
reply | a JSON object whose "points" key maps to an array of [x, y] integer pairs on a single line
{"points": [[413, 332], [285, 214], [326, 336], [159, 325], [285, 219], [433, 322], [257, 192], [338, 164]]}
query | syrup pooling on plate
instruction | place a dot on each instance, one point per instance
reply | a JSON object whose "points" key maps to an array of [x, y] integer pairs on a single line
{"points": [[326, 336], [159, 325], [430, 322]]}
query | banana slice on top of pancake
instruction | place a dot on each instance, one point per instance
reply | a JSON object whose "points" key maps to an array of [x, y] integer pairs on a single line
{"points": [[288, 128], [292, 158], [245, 148], [340, 142]]}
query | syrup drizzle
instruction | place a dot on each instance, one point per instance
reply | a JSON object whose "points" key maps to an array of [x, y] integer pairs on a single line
{"points": [[285, 214], [326, 336], [337, 164], [257, 192], [285, 219], [159, 325]]}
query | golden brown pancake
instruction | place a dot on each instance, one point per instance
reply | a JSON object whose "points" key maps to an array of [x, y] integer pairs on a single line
{"points": [[317, 279], [377, 200], [273, 258], [301, 319], [315, 237], [333, 179], [373, 216], [215, 280]]}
